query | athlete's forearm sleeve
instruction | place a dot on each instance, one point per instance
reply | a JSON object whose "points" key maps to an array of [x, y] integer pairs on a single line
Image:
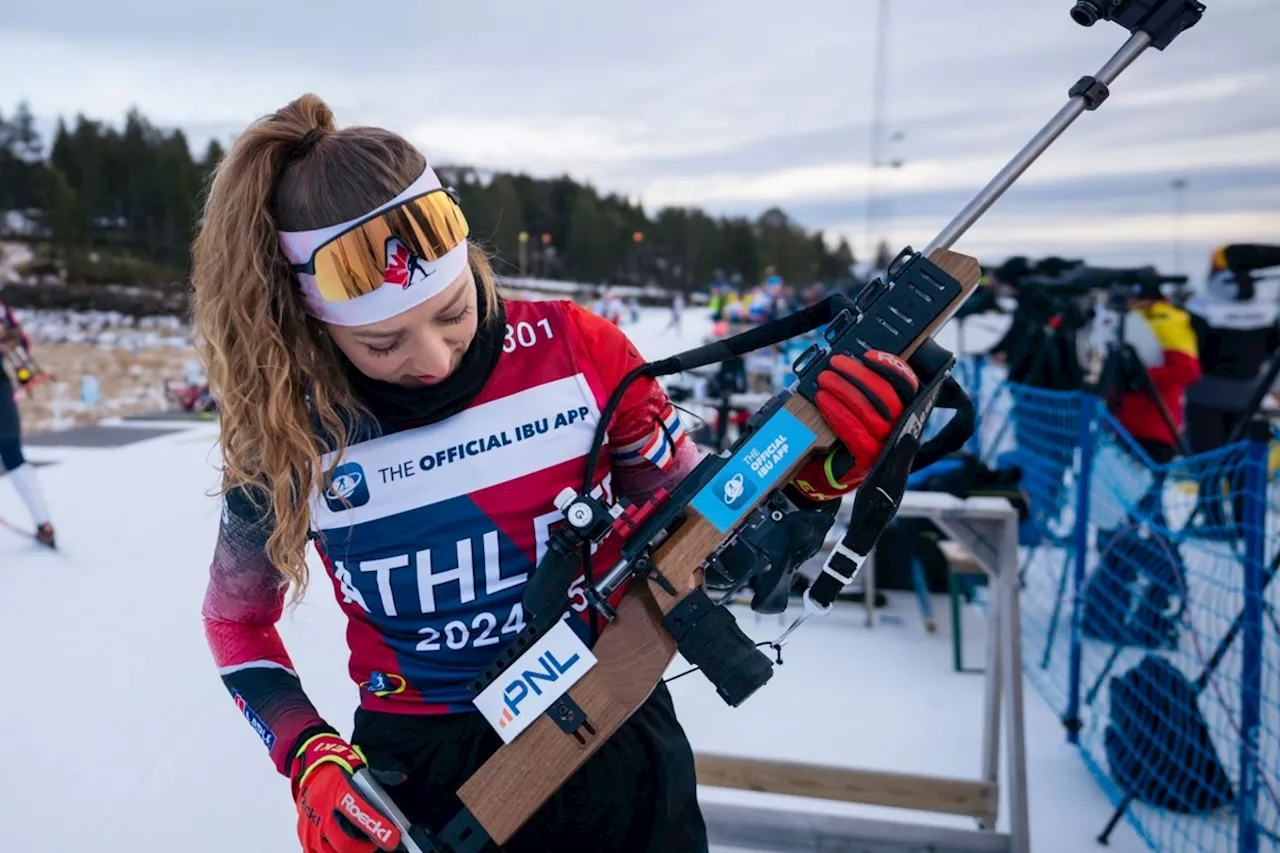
{"points": [[638, 483], [243, 602]]}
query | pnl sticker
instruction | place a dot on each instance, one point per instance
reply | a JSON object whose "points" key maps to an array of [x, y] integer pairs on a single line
{"points": [[536, 679], [754, 469]]}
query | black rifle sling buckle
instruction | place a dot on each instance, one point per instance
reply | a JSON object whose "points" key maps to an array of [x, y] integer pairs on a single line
{"points": [[708, 637], [464, 834]]}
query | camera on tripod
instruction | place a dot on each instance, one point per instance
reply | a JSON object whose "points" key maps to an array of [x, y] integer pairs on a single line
{"points": [[1162, 20], [1062, 304], [1117, 285]]}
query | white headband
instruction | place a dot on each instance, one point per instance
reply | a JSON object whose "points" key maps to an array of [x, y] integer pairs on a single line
{"points": [[426, 279]]}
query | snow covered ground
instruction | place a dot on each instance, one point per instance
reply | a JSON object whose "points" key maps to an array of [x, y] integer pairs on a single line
{"points": [[123, 738]]}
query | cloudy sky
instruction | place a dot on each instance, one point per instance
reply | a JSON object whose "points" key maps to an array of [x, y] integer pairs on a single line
{"points": [[731, 105]]}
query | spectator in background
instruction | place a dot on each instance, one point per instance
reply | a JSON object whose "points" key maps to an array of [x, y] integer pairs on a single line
{"points": [[13, 343], [716, 292], [1172, 363], [1159, 341], [715, 304], [733, 307], [1238, 331]]}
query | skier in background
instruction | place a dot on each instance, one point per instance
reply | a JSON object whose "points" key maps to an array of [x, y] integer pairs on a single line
{"points": [[457, 417], [610, 308], [23, 476], [677, 311]]}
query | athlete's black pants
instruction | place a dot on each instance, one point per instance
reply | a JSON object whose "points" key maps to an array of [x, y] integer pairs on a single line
{"points": [[1207, 429], [637, 794], [10, 427]]}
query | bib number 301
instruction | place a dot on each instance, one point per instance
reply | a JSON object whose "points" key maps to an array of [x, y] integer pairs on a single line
{"points": [[526, 334]]}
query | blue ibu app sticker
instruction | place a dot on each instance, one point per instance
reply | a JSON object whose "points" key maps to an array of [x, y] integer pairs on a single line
{"points": [[755, 468], [348, 488]]}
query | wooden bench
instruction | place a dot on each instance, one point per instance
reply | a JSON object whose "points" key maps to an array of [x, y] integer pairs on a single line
{"points": [[969, 798]]}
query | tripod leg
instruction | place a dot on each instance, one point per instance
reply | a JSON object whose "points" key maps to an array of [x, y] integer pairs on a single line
{"points": [[1165, 414], [1236, 625], [1054, 617], [722, 425], [1115, 818], [1255, 403], [1102, 676]]}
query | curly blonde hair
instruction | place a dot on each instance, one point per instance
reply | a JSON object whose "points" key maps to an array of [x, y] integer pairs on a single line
{"points": [[277, 376]]}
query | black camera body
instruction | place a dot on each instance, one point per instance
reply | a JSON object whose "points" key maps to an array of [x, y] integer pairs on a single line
{"points": [[1162, 20]]}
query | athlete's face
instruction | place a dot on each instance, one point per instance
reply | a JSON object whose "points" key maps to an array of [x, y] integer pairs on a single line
{"points": [[421, 346]]}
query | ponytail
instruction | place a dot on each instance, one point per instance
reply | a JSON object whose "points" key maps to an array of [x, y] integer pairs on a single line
{"points": [[270, 366]]}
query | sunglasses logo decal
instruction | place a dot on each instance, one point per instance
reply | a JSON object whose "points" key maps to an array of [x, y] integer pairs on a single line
{"points": [[404, 267]]}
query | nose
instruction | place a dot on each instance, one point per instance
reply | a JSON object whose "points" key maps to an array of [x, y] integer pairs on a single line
{"points": [[434, 356]]}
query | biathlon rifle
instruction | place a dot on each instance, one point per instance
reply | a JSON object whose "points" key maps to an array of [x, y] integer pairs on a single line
{"points": [[552, 699], [25, 369]]}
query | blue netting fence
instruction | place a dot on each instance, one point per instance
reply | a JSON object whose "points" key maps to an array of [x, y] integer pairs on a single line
{"points": [[1150, 623]]}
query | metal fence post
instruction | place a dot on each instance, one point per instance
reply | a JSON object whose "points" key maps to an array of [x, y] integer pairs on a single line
{"points": [[1084, 477], [1251, 634]]}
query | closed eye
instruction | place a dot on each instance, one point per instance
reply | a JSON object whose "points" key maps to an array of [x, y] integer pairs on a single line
{"points": [[456, 318]]}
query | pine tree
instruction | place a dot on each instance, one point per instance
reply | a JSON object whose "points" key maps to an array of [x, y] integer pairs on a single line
{"points": [[25, 142], [508, 219], [587, 252], [66, 216]]}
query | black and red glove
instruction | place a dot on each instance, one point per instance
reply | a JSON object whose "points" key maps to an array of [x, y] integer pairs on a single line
{"points": [[861, 400], [333, 816]]}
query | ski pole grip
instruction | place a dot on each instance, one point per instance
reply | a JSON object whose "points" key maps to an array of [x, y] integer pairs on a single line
{"points": [[412, 838]]}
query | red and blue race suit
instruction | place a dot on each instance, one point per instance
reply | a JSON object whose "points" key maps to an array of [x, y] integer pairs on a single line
{"points": [[429, 534]]}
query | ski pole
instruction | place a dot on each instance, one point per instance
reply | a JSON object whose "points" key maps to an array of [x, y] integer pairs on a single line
{"points": [[413, 839]]}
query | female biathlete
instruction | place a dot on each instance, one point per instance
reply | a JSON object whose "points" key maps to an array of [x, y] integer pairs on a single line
{"points": [[381, 400], [21, 473]]}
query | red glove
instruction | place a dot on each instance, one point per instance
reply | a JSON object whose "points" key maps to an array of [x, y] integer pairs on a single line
{"points": [[861, 400], [333, 816]]}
